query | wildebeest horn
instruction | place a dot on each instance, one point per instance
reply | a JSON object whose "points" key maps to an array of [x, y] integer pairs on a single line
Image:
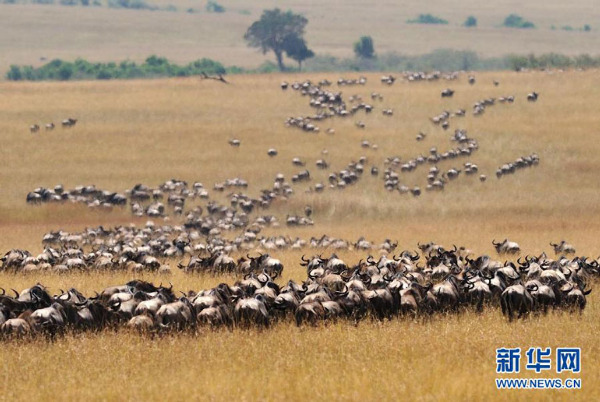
{"points": [[80, 304], [587, 292], [302, 258], [494, 243], [16, 293], [343, 292], [68, 296], [532, 288], [116, 305], [3, 291]]}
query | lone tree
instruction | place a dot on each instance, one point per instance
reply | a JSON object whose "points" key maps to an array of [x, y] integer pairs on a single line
{"points": [[470, 22], [274, 30], [364, 48], [296, 49]]}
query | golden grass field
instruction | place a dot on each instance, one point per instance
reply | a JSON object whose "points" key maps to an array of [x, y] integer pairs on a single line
{"points": [[150, 131], [103, 34]]}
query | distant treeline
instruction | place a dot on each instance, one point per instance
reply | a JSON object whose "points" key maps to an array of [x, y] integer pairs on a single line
{"points": [[211, 6], [153, 67], [449, 60], [156, 67]]}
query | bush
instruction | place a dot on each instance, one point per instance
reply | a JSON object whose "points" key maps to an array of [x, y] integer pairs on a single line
{"points": [[14, 74], [364, 48], [131, 4], [427, 19], [587, 28], [154, 66], [267, 67], [214, 7], [470, 22], [516, 21], [65, 72]]}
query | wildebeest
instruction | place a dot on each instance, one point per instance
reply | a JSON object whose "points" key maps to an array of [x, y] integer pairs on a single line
{"points": [[517, 299], [563, 248], [447, 93], [506, 247], [69, 122]]}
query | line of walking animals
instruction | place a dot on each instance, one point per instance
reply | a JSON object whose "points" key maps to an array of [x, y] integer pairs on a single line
{"points": [[448, 282], [66, 123]]}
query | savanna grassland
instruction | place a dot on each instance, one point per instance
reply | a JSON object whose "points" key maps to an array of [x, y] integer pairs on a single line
{"points": [[29, 32], [150, 131]]}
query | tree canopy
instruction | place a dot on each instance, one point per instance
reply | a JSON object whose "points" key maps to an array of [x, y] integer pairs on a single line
{"points": [[364, 48], [296, 49], [280, 32]]}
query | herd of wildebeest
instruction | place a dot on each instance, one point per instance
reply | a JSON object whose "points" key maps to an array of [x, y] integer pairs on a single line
{"points": [[445, 281], [200, 233]]}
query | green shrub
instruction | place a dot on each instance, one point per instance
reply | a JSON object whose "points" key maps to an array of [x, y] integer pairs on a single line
{"points": [[470, 22], [130, 4], [14, 74], [364, 48], [516, 21], [214, 7], [65, 72], [427, 19]]}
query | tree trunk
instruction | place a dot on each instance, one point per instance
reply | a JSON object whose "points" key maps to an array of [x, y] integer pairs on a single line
{"points": [[299, 65], [279, 55]]}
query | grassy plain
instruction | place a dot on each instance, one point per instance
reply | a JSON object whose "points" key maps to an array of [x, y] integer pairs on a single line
{"points": [[150, 131], [103, 34]]}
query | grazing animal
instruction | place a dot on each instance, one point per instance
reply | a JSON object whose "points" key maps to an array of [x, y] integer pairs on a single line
{"points": [[563, 248], [506, 247], [447, 93], [70, 122]]}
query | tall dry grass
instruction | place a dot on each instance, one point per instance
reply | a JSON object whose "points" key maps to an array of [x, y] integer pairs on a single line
{"points": [[150, 131]]}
